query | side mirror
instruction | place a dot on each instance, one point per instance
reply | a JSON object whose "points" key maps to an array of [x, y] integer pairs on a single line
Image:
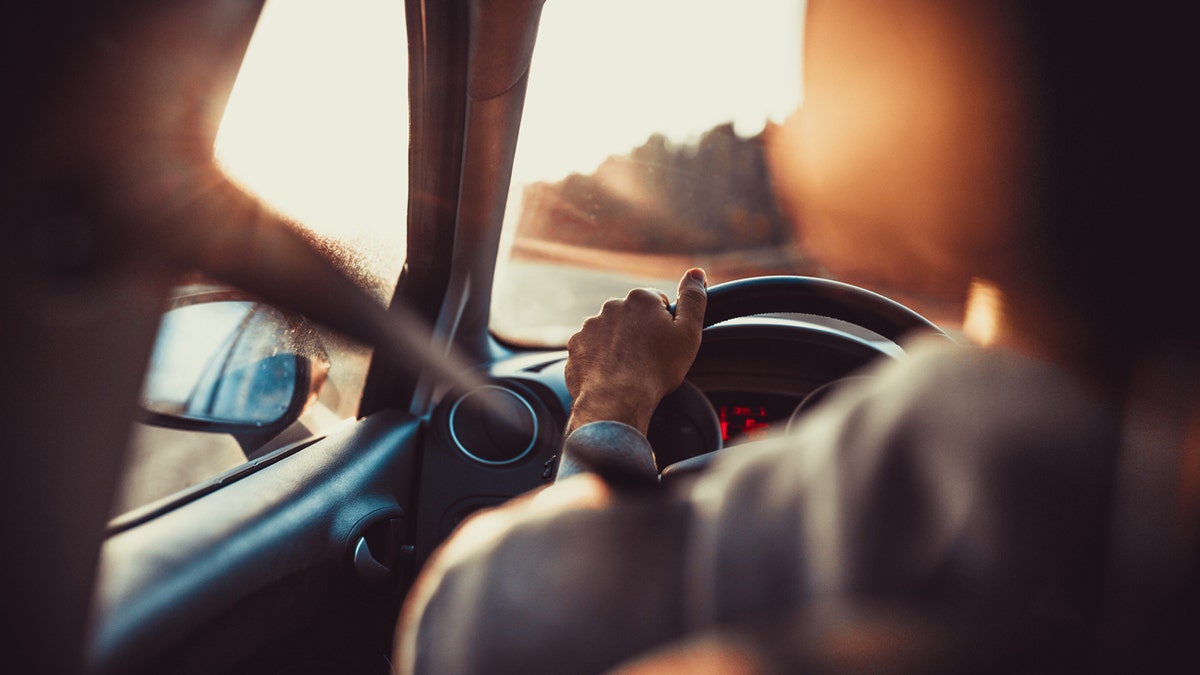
{"points": [[226, 365]]}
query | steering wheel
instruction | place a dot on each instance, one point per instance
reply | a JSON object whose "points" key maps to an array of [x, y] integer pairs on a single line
{"points": [[813, 295], [793, 295]]}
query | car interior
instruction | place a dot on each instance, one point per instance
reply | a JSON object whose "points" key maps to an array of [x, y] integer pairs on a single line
{"points": [[296, 556]]}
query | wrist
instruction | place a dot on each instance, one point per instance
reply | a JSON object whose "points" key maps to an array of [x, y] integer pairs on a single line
{"points": [[626, 405]]}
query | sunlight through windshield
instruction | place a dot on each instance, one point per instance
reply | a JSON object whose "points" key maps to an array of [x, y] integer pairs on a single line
{"points": [[608, 75], [641, 154], [317, 124]]}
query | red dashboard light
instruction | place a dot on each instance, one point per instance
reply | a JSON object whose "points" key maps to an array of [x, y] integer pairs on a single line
{"points": [[739, 419]]}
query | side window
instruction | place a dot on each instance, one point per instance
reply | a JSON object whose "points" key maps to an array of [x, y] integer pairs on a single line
{"points": [[232, 379], [317, 128]]}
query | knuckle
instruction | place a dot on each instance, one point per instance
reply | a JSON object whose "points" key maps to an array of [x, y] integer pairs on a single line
{"points": [[645, 296]]}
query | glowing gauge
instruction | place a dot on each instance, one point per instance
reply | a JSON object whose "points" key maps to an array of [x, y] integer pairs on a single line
{"points": [[737, 420], [745, 416]]}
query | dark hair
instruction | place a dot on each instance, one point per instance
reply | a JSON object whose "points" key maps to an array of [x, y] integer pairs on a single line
{"points": [[1115, 204]]}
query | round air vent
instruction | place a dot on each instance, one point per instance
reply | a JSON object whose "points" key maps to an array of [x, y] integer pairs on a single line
{"points": [[493, 425]]}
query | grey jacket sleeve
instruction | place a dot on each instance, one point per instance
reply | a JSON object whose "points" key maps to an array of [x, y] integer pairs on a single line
{"points": [[615, 451]]}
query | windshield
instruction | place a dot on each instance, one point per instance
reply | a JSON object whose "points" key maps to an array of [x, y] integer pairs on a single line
{"points": [[645, 148]]}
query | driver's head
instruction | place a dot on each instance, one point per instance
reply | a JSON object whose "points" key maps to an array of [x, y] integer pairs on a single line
{"points": [[1037, 145], [911, 128]]}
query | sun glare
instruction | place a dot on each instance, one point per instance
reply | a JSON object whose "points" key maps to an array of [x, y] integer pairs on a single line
{"points": [[625, 69], [317, 123]]}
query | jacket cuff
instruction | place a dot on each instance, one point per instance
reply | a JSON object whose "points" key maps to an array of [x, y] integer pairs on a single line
{"points": [[617, 452]]}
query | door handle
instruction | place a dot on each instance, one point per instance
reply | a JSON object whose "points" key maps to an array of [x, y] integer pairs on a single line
{"points": [[378, 552]]}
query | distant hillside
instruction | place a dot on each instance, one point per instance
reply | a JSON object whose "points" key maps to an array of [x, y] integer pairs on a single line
{"points": [[664, 207], [662, 198]]}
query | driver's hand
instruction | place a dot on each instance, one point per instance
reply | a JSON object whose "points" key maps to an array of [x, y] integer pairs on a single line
{"points": [[623, 361]]}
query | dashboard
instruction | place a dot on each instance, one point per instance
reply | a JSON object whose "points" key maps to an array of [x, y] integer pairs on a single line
{"points": [[749, 378]]}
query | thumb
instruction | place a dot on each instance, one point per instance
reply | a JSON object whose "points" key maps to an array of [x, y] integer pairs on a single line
{"points": [[692, 299]]}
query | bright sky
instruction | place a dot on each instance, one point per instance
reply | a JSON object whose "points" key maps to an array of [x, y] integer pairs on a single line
{"points": [[317, 122], [608, 73]]}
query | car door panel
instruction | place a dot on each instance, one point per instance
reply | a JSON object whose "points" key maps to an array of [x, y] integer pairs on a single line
{"points": [[259, 575]]}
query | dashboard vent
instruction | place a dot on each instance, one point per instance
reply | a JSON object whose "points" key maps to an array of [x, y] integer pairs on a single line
{"points": [[493, 425]]}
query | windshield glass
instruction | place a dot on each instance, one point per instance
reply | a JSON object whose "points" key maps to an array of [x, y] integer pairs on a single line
{"points": [[645, 148]]}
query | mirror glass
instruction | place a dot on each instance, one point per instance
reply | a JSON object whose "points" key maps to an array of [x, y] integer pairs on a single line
{"points": [[224, 362]]}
